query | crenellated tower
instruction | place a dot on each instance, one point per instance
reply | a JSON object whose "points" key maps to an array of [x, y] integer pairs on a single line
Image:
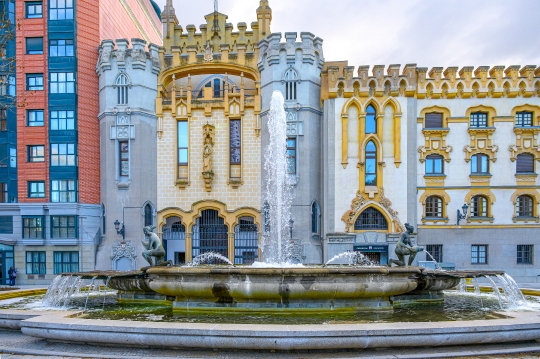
{"points": [[294, 67], [127, 91]]}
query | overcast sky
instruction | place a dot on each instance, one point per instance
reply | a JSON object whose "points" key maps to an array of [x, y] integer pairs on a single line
{"points": [[382, 32]]}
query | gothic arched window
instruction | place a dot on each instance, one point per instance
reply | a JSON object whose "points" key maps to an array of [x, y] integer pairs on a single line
{"points": [[315, 216], [371, 164], [122, 84], [371, 120], [372, 219], [148, 215], [290, 78]]}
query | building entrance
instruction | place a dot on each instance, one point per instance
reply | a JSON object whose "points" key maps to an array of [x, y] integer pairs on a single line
{"points": [[6, 261], [377, 253], [174, 240], [210, 234]]}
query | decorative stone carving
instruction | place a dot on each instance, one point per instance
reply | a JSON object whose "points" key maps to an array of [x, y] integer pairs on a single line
{"points": [[123, 250], [358, 204], [481, 142], [208, 150], [208, 53], [526, 142]]}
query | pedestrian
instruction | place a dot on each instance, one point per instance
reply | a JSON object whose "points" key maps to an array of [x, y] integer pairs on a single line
{"points": [[12, 275]]}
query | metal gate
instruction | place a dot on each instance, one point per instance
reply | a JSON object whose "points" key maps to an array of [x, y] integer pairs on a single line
{"points": [[210, 234], [246, 241], [174, 240]]}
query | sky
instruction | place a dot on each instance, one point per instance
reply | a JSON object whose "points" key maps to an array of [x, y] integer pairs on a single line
{"points": [[382, 32]]}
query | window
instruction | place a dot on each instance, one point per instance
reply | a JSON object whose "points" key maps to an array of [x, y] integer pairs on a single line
{"points": [[61, 10], [62, 120], [34, 118], [315, 217], [479, 119], [525, 163], [34, 45], [436, 252], [524, 119], [3, 120], [36, 263], [480, 164], [62, 82], [525, 206], [59, 48], [122, 84], [36, 153], [479, 254], [64, 191], [291, 155], [148, 215], [124, 158], [217, 88], [34, 10], [236, 142], [434, 165], [434, 207], [63, 227], [371, 164], [479, 206], [6, 224], [434, 120], [290, 78], [33, 227], [12, 88], [525, 254], [34, 82], [3, 193], [36, 189], [371, 219], [371, 120], [66, 262], [63, 154]]}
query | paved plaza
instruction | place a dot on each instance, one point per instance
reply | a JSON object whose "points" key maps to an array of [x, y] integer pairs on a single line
{"points": [[14, 344]]}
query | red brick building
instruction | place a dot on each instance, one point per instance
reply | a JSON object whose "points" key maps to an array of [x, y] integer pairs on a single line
{"points": [[50, 218]]}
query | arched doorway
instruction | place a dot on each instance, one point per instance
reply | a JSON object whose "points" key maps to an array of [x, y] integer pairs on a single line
{"points": [[210, 234], [246, 241], [369, 225], [174, 240]]}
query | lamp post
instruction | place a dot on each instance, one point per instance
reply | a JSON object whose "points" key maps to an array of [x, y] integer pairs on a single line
{"points": [[460, 216], [122, 231]]}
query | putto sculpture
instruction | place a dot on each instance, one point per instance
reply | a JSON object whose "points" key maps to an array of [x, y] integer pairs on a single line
{"points": [[405, 248], [154, 253]]}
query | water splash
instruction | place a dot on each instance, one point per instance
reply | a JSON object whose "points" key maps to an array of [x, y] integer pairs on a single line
{"points": [[462, 286], [352, 259], [208, 258], [437, 266], [277, 195], [496, 291]]}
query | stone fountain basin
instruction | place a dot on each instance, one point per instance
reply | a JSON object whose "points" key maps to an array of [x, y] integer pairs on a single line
{"points": [[308, 290]]}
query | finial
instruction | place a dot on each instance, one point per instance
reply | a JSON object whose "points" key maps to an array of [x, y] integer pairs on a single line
{"points": [[215, 5]]}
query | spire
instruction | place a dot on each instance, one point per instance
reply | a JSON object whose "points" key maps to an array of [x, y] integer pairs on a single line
{"points": [[216, 20], [168, 16], [264, 17]]}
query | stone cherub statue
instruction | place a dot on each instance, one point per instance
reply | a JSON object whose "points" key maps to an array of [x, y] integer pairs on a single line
{"points": [[405, 247], [154, 247]]}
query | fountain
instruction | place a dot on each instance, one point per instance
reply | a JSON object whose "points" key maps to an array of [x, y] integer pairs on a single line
{"points": [[277, 287]]}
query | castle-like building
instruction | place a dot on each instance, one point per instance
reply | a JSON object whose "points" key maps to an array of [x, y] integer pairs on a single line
{"points": [[368, 151], [453, 152]]}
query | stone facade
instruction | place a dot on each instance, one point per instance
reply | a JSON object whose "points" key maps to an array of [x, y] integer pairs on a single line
{"points": [[127, 78], [293, 68]]}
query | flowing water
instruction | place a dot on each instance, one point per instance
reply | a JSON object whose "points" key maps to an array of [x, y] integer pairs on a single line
{"points": [[277, 194], [352, 259], [209, 258], [437, 266]]}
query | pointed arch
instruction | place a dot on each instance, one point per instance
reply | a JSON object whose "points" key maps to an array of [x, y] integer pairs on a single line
{"points": [[122, 79], [392, 102], [353, 101], [315, 217], [491, 89], [372, 217], [429, 90], [444, 90]]}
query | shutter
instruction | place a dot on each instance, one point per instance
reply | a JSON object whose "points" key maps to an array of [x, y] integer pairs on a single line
{"points": [[434, 120], [525, 163]]}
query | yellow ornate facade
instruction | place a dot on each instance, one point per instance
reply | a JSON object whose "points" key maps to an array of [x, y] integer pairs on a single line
{"points": [[209, 146]]}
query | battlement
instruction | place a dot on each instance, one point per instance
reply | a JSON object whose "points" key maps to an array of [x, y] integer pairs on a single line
{"points": [[138, 55], [309, 48], [338, 80]]}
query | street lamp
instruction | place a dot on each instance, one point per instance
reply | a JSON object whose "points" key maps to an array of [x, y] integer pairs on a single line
{"points": [[460, 216], [121, 231]]}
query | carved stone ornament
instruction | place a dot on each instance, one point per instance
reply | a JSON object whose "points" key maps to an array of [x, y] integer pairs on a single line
{"points": [[359, 202], [208, 153], [105, 55], [138, 55], [123, 250], [208, 53]]}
